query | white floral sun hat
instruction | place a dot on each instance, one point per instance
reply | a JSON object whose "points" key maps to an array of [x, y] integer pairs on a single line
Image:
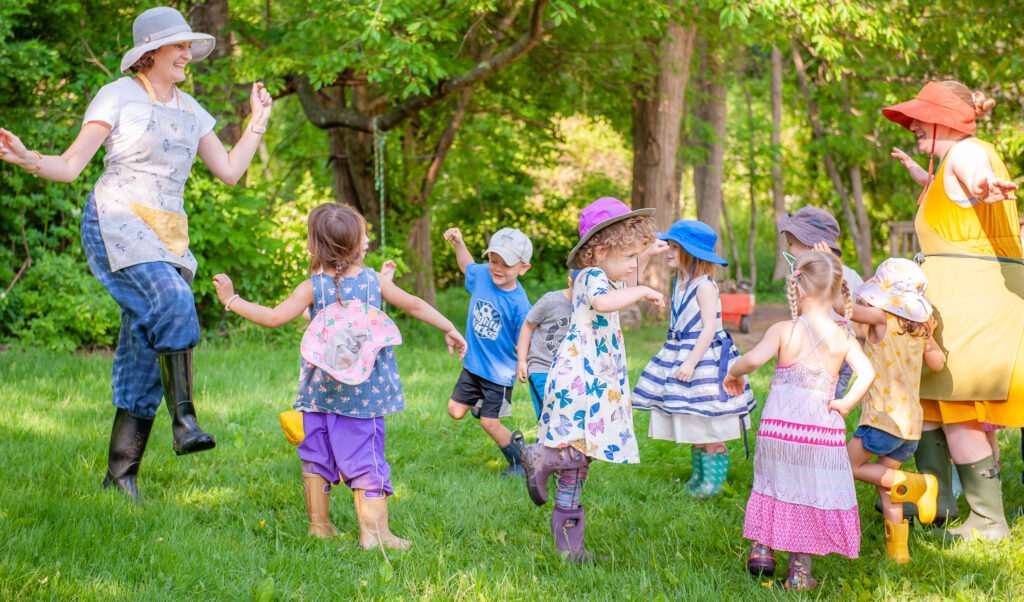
{"points": [[161, 26], [898, 287]]}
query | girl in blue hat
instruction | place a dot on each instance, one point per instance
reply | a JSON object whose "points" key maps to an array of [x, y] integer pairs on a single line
{"points": [[682, 384]]}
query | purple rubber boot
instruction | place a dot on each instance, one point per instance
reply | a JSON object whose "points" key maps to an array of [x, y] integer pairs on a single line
{"points": [[541, 462], [567, 529]]}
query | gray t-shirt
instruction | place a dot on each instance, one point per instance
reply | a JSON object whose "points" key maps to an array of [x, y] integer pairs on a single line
{"points": [[551, 314]]}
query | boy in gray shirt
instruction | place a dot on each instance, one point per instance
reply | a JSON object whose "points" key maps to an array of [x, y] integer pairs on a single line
{"points": [[535, 351]]}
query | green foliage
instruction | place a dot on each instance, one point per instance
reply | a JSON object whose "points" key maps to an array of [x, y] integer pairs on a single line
{"points": [[60, 306]]}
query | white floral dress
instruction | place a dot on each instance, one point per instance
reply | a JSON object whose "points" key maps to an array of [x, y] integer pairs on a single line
{"points": [[587, 397]]}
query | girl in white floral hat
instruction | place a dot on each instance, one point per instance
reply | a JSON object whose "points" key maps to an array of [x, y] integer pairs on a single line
{"points": [[900, 328]]}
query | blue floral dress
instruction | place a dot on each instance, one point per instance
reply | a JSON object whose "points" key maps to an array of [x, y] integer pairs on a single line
{"points": [[586, 401]]}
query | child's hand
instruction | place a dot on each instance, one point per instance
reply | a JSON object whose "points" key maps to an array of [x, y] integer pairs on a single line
{"points": [[387, 271], [656, 298], [225, 289], [822, 246], [657, 248], [840, 406], [455, 342], [733, 385], [685, 372], [454, 236], [521, 373]]}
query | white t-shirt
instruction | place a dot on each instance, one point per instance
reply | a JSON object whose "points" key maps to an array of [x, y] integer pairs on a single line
{"points": [[125, 106]]}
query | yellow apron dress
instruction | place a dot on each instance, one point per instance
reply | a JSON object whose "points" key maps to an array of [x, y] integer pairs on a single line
{"points": [[976, 284]]}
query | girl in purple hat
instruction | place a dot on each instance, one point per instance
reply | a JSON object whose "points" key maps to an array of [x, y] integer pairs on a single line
{"points": [[682, 384], [344, 423], [586, 413]]}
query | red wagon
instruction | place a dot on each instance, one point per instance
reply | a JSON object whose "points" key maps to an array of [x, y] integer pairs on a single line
{"points": [[736, 310]]}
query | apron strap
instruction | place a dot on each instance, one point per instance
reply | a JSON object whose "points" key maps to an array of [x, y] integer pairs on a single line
{"points": [[152, 94]]}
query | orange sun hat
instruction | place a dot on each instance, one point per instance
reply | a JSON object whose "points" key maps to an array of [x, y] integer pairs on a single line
{"points": [[934, 104]]}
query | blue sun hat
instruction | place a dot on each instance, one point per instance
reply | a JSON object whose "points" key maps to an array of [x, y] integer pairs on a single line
{"points": [[696, 238]]}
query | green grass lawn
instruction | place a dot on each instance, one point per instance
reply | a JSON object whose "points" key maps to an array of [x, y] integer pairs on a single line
{"points": [[231, 523]]}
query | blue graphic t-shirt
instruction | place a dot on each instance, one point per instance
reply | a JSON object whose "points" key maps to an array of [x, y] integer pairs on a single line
{"points": [[492, 329]]}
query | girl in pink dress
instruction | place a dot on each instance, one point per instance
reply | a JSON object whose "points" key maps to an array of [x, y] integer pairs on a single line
{"points": [[803, 501]]}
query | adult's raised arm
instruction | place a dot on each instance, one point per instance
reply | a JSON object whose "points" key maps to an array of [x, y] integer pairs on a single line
{"points": [[59, 168], [229, 166], [972, 166]]}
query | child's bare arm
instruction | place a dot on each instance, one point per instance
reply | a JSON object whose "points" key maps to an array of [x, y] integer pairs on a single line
{"points": [[657, 248], [462, 254], [707, 297], [523, 349], [423, 311], [871, 316], [284, 312], [766, 349], [934, 358], [865, 376], [624, 297]]}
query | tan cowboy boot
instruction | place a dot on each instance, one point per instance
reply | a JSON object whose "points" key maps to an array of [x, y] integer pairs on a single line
{"points": [[318, 502], [373, 523]]}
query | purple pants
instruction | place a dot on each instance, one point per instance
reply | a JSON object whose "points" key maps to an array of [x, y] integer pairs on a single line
{"points": [[352, 448]]}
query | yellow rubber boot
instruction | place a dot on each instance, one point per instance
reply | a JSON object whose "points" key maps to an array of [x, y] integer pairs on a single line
{"points": [[318, 501], [896, 542], [373, 523], [920, 489]]}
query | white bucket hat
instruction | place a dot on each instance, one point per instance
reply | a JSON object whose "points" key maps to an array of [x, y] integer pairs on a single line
{"points": [[161, 26], [898, 287]]}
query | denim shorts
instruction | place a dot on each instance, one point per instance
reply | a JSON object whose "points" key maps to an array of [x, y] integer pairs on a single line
{"points": [[882, 443]]}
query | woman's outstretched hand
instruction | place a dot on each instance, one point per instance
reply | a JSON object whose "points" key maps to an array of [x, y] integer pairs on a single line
{"points": [[12, 150], [260, 103], [993, 190]]}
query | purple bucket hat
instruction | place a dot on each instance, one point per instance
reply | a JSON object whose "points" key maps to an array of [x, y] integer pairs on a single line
{"points": [[811, 225], [597, 216]]}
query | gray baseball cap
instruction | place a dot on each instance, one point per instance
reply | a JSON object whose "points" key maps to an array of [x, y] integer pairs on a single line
{"points": [[511, 245]]}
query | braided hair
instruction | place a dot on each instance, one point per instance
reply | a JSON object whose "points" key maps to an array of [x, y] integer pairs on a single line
{"points": [[335, 240]]}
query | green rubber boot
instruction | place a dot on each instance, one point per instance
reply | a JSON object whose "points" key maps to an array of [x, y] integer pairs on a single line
{"points": [[983, 491], [696, 455], [716, 469]]}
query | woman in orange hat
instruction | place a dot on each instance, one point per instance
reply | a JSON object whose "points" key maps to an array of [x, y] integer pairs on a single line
{"points": [[970, 238]]}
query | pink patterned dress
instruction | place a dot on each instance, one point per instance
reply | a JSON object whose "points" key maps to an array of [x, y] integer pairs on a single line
{"points": [[803, 498]]}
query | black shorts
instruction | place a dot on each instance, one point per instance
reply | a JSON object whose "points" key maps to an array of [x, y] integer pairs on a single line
{"points": [[472, 388]]}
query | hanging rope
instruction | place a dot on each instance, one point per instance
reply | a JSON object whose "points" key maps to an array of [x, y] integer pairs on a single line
{"points": [[379, 142]]}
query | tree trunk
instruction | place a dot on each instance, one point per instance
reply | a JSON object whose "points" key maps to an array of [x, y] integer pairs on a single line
{"points": [[213, 16], [778, 195], [737, 268], [863, 251], [711, 109], [857, 188], [657, 116], [751, 186], [352, 161]]}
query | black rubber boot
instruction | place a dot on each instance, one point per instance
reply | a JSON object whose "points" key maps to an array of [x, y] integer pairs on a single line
{"points": [[128, 439], [932, 457], [176, 374], [514, 454], [983, 491]]}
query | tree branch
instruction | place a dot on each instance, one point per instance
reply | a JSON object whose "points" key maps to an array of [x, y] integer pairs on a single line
{"points": [[345, 117]]}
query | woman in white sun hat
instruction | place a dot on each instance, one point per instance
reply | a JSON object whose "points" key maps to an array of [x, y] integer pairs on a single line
{"points": [[134, 227]]}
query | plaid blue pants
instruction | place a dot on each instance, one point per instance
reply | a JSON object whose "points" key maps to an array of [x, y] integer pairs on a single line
{"points": [[158, 315]]}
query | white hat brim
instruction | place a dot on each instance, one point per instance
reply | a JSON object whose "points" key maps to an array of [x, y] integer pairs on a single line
{"points": [[202, 45]]}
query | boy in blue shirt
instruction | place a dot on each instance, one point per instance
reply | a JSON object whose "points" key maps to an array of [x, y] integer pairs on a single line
{"points": [[497, 307]]}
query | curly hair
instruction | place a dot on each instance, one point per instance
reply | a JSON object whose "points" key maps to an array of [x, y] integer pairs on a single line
{"points": [[335, 239], [145, 62], [631, 234], [920, 330]]}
